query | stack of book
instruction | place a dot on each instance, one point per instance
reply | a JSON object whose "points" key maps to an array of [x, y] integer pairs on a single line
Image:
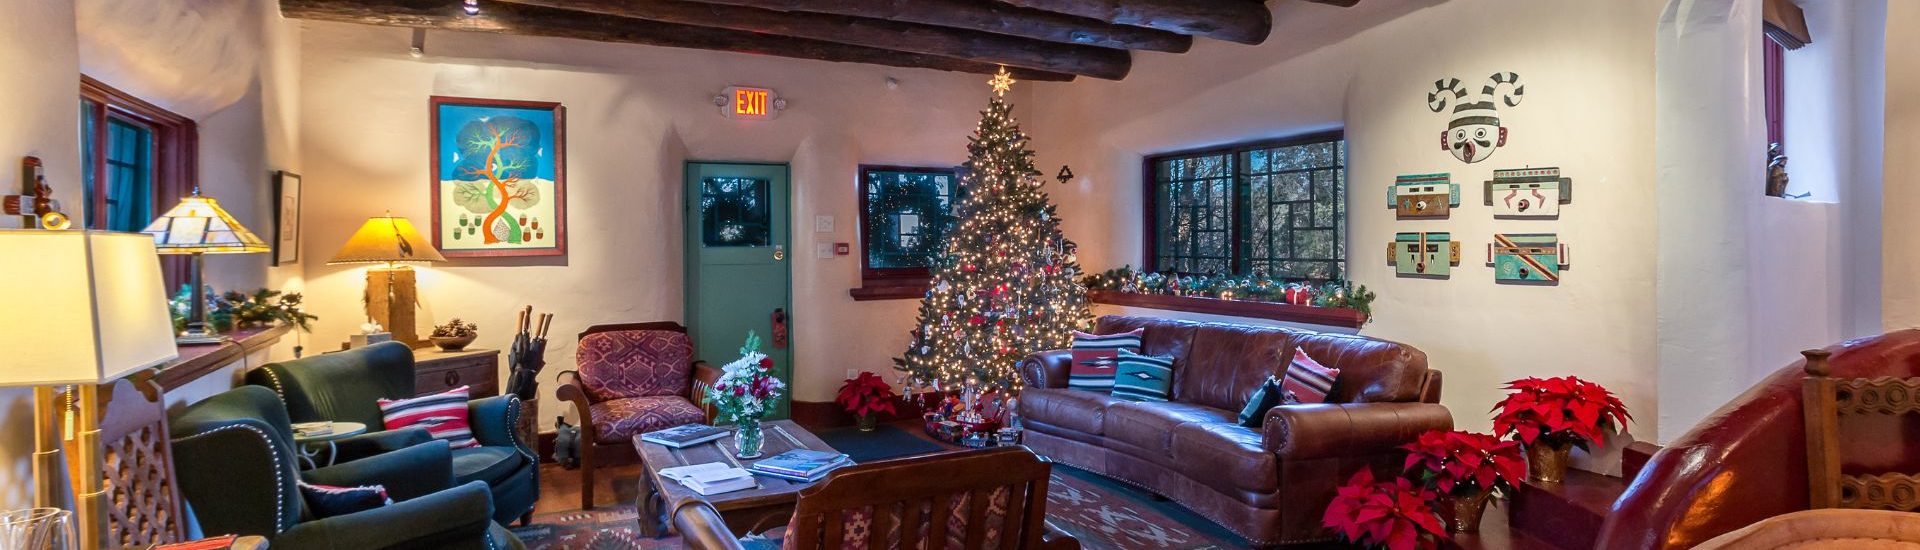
{"points": [[711, 478], [800, 465], [684, 435]]}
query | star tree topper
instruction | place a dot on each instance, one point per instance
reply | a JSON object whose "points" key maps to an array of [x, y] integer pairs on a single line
{"points": [[1001, 82]]}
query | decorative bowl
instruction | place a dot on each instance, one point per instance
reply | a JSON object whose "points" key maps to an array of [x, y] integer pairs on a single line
{"points": [[453, 343]]}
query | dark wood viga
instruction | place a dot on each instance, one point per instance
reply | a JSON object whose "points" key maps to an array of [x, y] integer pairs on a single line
{"points": [[1828, 399], [904, 495]]}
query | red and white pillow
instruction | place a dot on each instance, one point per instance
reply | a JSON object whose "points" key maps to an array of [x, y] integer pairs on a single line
{"points": [[1097, 356], [443, 414], [1308, 381]]}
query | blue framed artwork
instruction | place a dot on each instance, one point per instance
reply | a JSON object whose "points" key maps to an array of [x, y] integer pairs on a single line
{"points": [[499, 177]]}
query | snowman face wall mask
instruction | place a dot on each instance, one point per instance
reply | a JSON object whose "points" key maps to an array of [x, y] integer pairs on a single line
{"points": [[1474, 132]]}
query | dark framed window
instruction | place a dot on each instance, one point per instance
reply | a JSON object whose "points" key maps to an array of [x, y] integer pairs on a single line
{"points": [[1275, 208], [905, 214], [137, 160]]}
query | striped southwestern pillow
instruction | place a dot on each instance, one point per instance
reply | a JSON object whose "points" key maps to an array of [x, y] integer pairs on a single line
{"points": [[1307, 380], [1143, 377], [443, 414], [1094, 356]]}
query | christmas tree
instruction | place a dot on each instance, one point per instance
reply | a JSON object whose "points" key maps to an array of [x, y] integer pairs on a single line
{"points": [[1007, 284]]}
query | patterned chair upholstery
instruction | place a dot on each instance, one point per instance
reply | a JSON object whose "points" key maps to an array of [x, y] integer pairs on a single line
{"points": [[921, 496], [631, 379]]}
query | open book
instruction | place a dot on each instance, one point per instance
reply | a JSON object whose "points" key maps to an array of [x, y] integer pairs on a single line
{"points": [[711, 478]]}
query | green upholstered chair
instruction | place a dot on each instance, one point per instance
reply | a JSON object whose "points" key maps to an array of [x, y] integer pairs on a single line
{"points": [[234, 463], [347, 387]]}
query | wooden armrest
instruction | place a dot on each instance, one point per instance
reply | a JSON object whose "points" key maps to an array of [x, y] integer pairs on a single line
{"points": [[1057, 539], [571, 391], [704, 376], [701, 527]]}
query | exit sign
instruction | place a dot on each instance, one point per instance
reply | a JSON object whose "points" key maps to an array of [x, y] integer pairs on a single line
{"points": [[750, 103]]}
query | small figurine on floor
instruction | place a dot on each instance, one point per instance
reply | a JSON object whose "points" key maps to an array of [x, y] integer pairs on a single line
{"points": [[566, 443]]}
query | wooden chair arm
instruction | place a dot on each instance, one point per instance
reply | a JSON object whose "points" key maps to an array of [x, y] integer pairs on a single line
{"points": [[571, 391], [1056, 539], [701, 527], [704, 376]]}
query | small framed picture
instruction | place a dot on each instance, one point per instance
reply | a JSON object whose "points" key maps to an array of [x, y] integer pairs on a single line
{"points": [[286, 218]]}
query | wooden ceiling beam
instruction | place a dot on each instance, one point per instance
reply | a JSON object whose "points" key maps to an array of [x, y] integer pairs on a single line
{"points": [[1242, 21], [505, 18], [993, 17], [874, 33]]}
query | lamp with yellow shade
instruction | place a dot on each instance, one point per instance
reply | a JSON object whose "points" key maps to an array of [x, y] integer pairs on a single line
{"points": [[391, 297], [198, 226]]}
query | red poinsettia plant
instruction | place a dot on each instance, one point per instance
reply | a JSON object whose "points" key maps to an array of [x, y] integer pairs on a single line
{"points": [[1462, 464], [1396, 514], [1559, 411], [866, 395]]}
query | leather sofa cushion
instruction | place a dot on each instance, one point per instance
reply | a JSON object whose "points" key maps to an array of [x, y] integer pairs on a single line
{"points": [[1227, 457], [1371, 371], [1081, 411], [1228, 362], [1163, 337], [1149, 426], [492, 465]]}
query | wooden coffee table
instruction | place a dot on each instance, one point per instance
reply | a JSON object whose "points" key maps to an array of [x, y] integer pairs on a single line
{"points": [[763, 507]]}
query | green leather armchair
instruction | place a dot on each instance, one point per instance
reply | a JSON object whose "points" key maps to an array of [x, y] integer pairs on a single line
{"points": [[347, 386], [234, 463]]}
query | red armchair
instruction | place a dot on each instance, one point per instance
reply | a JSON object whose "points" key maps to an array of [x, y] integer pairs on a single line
{"points": [[632, 378]]}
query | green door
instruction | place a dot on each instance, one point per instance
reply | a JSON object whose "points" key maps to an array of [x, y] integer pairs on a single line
{"points": [[737, 258]]}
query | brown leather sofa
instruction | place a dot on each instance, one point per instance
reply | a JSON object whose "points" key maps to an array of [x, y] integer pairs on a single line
{"points": [[1270, 485], [1748, 460]]}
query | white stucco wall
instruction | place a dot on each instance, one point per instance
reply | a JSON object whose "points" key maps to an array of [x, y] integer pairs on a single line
{"points": [[1588, 70], [634, 116]]}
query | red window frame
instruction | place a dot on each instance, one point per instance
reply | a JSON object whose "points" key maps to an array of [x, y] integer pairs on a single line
{"points": [[176, 147]]}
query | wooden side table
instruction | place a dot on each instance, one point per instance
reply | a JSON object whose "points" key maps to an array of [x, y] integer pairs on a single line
{"points": [[437, 371]]}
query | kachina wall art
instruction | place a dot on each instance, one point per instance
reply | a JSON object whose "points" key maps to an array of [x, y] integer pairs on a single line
{"points": [[1475, 132], [499, 177], [1527, 258], [1528, 193], [1430, 255], [1423, 196]]}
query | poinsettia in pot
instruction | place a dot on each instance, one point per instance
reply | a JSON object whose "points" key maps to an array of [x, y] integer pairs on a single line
{"points": [[866, 396], [1467, 470], [1395, 514], [1552, 416]]}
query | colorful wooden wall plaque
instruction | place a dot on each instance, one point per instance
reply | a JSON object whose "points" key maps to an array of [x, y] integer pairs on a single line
{"points": [[1423, 196], [1527, 258], [1528, 193], [1430, 254]]}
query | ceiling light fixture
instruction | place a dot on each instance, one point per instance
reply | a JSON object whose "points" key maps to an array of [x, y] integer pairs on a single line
{"points": [[472, 7]]}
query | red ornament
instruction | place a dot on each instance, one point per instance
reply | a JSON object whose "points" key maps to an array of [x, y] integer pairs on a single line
{"points": [[766, 363]]}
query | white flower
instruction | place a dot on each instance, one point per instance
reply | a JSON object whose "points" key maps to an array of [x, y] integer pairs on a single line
{"points": [[371, 327]]}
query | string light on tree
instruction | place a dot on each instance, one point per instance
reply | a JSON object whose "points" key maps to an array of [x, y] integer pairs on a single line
{"points": [[1006, 285]]}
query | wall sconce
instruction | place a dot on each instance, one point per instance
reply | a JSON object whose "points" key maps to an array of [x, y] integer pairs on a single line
{"points": [[1064, 175], [38, 203]]}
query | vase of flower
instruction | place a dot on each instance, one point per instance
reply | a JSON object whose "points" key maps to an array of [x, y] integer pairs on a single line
{"points": [[1552, 416], [1467, 470], [1547, 461], [866, 396], [745, 392], [748, 438]]}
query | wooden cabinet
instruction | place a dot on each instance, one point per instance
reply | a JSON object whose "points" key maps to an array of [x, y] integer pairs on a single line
{"points": [[437, 371]]}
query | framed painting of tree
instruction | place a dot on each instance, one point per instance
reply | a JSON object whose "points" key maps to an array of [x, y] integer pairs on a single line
{"points": [[499, 177]]}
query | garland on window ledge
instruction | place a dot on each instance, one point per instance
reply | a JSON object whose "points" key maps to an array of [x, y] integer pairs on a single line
{"points": [[1252, 288]]}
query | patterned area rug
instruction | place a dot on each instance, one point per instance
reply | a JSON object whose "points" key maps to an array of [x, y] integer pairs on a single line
{"points": [[1102, 513]]}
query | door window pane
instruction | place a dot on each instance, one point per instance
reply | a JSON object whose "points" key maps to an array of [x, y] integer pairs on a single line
{"points": [[735, 212]]}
